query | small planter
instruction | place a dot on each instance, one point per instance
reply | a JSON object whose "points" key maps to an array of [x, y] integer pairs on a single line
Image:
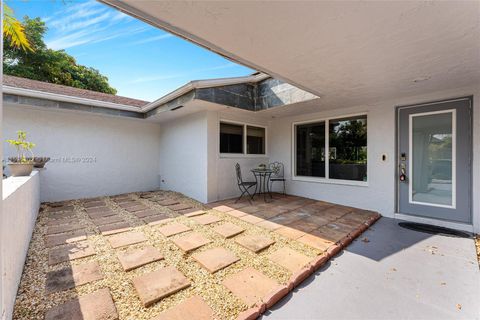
{"points": [[20, 169], [39, 162]]}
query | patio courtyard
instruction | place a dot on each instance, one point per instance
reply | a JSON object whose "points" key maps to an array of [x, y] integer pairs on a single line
{"points": [[161, 255]]}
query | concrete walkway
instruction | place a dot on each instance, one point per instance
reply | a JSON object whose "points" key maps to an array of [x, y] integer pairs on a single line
{"points": [[391, 273]]}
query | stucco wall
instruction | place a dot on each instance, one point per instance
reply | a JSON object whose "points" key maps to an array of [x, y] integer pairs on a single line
{"points": [[92, 155], [183, 156], [21, 201], [380, 193], [224, 177]]}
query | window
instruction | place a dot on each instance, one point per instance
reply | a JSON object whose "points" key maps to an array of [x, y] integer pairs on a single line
{"points": [[310, 150], [242, 139], [255, 140], [346, 140], [231, 138]]}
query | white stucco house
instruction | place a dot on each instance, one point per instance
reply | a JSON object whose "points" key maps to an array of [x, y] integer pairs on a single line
{"points": [[372, 105]]}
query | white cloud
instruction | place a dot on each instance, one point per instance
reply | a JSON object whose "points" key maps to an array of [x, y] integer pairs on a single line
{"points": [[85, 23], [188, 75], [152, 39]]}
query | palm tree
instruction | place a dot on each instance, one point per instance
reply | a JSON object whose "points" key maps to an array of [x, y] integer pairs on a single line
{"points": [[13, 29]]}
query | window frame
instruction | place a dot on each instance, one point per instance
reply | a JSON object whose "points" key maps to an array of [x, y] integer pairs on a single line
{"points": [[244, 140], [326, 179]]}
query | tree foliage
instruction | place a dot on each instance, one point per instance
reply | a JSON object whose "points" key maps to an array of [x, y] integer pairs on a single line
{"points": [[48, 65], [13, 30]]}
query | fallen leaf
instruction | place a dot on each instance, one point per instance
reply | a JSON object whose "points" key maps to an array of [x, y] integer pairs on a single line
{"points": [[365, 240], [459, 306], [393, 269], [443, 283]]}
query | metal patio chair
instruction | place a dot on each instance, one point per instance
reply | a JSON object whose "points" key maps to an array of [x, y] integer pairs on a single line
{"points": [[277, 175], [244, 186]]}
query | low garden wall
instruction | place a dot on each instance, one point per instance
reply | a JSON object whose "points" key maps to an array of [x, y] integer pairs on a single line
{"points": [[21, 202]]}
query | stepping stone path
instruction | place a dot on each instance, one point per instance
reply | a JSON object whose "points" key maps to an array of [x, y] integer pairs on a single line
{"points": [[223, 208], [64, 228], [269, 225], [146, 213], [97, 305], [192, 308], [152, 287], [250, 285], [173, 229], [138, 207], [157, 219], [62, 221], [290, 233], [62, 215], [136, 258], [76, 275], [236, 213], [126, 239], [180, 206], [168, 202], [114, 228], [228, 230], [59, 209], [255, 243], [215, 259], [251, 219], [74, 251], [205, 219], [191, 212], [97, 214], [129, 204], [94, 204], [289, 259], [107, 220], [191, 242], [59, 239]]}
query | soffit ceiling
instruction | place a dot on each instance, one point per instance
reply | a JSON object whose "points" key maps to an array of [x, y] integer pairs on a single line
{"points": [[348, 53]]}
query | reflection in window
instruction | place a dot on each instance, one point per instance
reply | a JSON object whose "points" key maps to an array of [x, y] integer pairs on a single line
{"points": [[348, 148], [432, 159], [231, 138], [310, 150], [255, 140]]}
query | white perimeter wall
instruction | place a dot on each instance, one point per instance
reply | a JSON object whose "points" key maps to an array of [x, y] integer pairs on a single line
{"points": [[21, 201], [125, 152], [183, 156], [379, 195]]}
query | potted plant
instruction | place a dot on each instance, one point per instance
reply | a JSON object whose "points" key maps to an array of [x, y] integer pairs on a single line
{"points": [[21, 165]]}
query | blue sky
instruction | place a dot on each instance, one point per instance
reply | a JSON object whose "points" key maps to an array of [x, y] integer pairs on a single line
{"points": [[140, 61]]}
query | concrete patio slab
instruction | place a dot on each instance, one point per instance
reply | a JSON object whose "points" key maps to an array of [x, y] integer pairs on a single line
{"points": [[215, 259], [192, 308], [398, 274], [191, 242], [152, 287], [97, 305], [70, 277], [136, 258], [73, 251], [126, 239]]}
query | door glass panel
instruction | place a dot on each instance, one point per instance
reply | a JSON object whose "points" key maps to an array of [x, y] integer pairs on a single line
{"points": [[432, 159]]}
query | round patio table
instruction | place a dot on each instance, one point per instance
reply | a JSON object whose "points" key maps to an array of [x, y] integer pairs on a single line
{"points": [[262, 177]]}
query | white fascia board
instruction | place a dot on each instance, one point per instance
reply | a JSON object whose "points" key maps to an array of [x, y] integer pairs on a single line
{"points": [[65, 98], [198, 84]]}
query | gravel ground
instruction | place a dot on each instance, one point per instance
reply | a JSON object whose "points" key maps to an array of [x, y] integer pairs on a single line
{"points": [[32, 301], [477, 245]]}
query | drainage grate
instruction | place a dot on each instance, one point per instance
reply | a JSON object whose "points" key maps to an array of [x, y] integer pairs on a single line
{"points": [[421, 227]]}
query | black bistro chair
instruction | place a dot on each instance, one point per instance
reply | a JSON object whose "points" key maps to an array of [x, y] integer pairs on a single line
{"points": [[244, 186], [278, 174]]}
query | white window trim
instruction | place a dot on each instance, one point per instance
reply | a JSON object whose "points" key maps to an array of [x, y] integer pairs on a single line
{"points": [[244, 154], [327, 179]]}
